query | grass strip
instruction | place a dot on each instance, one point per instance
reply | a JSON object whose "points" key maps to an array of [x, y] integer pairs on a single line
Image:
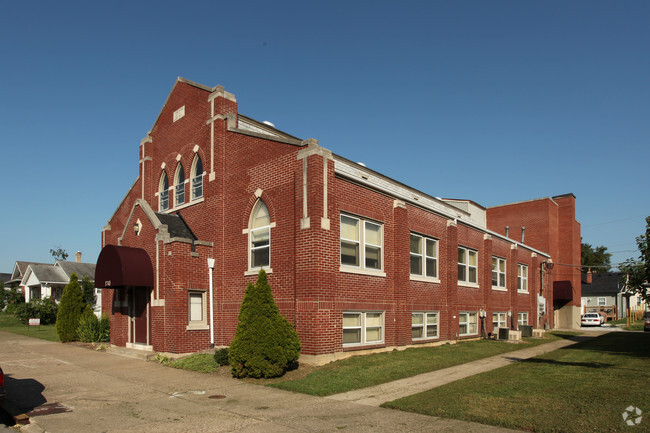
{"points": [[584, 387], [369, 370], [9, 323]]}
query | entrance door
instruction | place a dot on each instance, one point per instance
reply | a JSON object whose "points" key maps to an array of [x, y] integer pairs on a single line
{"points": [[139, 316]]}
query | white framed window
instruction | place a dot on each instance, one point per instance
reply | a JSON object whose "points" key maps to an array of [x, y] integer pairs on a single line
{"points": [[424, 256], [196, 309], [259, 235], [500, 320], [467, 266], [467, 323], [361, 243], [522, 319], [424, 325], [179, 185], [197, 177], [498, 273], [163, 196], [522, 278], [35, 292], [602, 302], [361, 327]]}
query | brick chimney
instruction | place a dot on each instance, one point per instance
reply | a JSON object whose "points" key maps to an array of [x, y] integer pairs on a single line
{"points": [[78, 257], [589, 276]]}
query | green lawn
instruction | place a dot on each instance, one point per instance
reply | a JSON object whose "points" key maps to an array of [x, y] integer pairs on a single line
{"points": [[636, 325], [368, 370], [585, 387], [10, 324]]}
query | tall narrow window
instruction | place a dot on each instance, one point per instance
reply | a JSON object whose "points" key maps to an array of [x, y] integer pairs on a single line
{"points": [[164, 192], [498, 272], [179, 196], [522, 278], [424, 256], [260, 236], [467, 266], [197, 178]]}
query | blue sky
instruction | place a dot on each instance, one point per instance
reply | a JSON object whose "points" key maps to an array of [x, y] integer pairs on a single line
{"points": [[493, 101]]}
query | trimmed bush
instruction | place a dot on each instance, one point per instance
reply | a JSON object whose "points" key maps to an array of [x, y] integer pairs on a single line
{"points": [[265, 343], [44, 309], [14, 298], [221, 356], [92, 329], [70, 309]]}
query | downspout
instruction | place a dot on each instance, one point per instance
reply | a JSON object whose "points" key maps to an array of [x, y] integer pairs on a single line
{"points": [[211, 268]]}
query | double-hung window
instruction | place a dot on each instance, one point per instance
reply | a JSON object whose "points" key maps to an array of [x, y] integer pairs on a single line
{"points": [[424, 256], [498, 273], [468, 323], [522, 278], [424, 325], [361, 328], [361, 243], [467, 265], [602, 302], [522, 319], [500, 320]]}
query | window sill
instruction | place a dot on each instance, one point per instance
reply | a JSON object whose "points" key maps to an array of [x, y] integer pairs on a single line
{"points": [[358, 346], [183, 206], [349, 270], [197, 327], [499, 289], [523, 292], [425, 279], [470, 285], [424, 340], [252, 272]]}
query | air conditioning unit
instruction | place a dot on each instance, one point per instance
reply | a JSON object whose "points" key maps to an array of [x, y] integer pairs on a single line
{"points": [[504, 333]]}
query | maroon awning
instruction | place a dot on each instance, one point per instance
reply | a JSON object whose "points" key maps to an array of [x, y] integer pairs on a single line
{"points": [[562, 290], [123, 266]]}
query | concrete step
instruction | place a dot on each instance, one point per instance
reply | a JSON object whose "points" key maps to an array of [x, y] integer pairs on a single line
{"points": [[145, 355]]}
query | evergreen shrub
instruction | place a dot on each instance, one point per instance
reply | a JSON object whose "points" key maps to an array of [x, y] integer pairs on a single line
{"points": [[265, 343], [221, 356], [93, 329], [71, 307]]}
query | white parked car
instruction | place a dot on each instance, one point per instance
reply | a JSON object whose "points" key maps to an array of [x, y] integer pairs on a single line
{"points": [[591, 319]]}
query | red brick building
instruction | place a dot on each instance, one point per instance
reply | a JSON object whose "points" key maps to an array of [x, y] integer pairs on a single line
{"points": [[357, 261]]}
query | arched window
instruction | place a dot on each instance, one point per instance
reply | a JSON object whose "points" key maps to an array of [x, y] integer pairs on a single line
{"points": [[260, 236], [164, 192], [197, 178], [179, 181]]}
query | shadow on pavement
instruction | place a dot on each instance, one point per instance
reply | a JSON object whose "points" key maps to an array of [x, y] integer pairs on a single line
{"points": [[23, 395]]}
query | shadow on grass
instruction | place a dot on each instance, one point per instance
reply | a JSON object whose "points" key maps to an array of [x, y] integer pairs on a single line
{"points": [[634, 344], [571, 364]]}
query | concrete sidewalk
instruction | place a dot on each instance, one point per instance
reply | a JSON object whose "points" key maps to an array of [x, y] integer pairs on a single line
{"points": [[376, 395]]}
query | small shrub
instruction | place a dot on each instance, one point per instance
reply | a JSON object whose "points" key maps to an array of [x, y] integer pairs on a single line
{"points": [[93, 330], [221, 356]]}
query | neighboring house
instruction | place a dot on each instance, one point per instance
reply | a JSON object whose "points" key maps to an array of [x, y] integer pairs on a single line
{"points": [[48, 280], [358, 262], [19, 272], [5, 278], [606, 292]]}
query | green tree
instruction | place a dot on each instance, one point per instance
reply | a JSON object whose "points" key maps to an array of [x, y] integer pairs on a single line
{"points": [[265, 343], [4, 294], [71, 307], [637, 272], [88, 289], [598, 259], [59, 253]]}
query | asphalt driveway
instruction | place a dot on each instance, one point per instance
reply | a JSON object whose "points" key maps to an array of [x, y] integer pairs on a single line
{"points": [[104, 392]]}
